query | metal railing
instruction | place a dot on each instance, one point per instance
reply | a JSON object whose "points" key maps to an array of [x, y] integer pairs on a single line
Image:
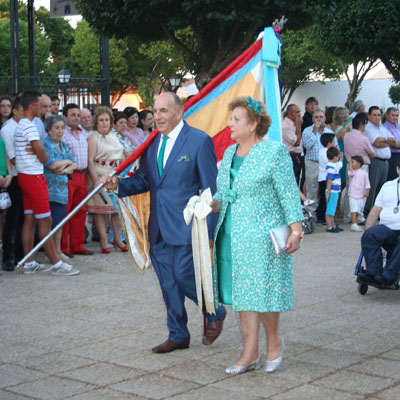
{"points": [[82, 91]]}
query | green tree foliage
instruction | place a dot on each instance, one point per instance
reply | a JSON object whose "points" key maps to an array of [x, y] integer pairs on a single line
{"points": [[42, 48], [303, 59], [361, 29], [60, 34], [53, 40], [222, 29], [163, 61], [86, 53], [394, 94]]}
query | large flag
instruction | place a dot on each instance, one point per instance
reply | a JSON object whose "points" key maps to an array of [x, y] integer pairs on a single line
{"points": [[254, 73]]}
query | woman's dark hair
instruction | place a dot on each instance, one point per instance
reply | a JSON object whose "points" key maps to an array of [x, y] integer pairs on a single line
{"points": [[143, 115], [129, 111], [119, 115], [359, 159], [332, 152]]}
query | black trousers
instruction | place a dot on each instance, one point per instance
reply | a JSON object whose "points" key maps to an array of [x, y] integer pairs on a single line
{"points": [[12, 243], [322, 201]]}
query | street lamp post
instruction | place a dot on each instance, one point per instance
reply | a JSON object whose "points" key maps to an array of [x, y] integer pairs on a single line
{"points": [[64, 77], [174, 83]]}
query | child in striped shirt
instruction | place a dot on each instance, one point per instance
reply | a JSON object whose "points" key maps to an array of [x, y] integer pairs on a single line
{"points": [[333, 185]]}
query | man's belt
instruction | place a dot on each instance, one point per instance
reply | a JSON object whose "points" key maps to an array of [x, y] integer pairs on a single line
{"points": [[292, 153], [381, 159], [81, 171]]}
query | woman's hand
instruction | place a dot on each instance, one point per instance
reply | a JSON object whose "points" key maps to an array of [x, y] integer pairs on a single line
{"points": [[7, 181], [295, 238], [293, 242]]}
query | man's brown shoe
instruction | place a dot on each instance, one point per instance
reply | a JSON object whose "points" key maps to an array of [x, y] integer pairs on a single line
{"points": [[169, 346], [85, 252], [213, 330]]}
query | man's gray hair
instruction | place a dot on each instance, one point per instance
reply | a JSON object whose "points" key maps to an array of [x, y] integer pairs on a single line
{"points": [[318, 110], [50, 121], [357, 105], [390, 109]]}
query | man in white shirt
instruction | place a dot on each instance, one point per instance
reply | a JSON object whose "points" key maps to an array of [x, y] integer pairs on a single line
{"points": [[12, 244], [291, 137], [381, 140], [386, 208]]}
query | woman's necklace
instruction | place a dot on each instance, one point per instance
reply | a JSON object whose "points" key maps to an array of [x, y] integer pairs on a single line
{"points": [[396, 209]]}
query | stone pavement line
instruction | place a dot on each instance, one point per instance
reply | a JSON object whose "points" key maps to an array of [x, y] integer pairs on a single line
{"points": [[89, 337]]}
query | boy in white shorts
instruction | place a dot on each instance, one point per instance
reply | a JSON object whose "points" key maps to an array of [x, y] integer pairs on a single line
{"points": [[358, 190]]}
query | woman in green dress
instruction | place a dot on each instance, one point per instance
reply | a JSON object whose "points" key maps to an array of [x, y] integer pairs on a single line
{"points": [[256, 191]]}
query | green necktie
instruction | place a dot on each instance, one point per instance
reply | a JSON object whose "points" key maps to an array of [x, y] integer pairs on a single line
{"points": [[160, 159]]}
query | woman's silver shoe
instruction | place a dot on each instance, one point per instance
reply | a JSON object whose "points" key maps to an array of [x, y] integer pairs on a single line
{"points": [[271, 366], [238, 369]]}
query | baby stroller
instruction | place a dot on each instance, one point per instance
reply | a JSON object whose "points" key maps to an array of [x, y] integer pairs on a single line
{"points": [[307, 223], [388, 247]]}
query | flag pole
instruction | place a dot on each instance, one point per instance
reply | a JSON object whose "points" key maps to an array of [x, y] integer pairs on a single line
{"points": [[132, 158]]}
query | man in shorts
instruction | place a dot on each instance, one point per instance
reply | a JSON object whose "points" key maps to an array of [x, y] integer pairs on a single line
{"points": [[29, 158]]}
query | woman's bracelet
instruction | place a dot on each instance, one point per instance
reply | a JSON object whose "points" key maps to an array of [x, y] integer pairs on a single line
{"points": [[299, 234]]}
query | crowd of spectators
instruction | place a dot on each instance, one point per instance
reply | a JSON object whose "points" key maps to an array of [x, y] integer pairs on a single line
{"points": [[368, 142], [49, 160], [80, 145]]}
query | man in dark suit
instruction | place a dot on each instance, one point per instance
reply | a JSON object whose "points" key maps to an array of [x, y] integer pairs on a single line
{"points": [[177, 165]]}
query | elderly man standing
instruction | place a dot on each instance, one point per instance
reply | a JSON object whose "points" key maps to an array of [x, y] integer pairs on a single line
{"points": [[357, 108], [312, 143], [45, 104], [392, 125], [381, 140], [86, 122], [291, 137], [73, 235], [172, 182]]}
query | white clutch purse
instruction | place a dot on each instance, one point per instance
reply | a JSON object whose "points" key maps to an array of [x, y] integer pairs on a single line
{"points": [[279, 237]]}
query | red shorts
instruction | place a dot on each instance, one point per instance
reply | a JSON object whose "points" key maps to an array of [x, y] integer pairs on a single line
{"points": [[35, 195]]}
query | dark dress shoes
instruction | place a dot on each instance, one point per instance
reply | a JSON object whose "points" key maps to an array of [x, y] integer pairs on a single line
{"points": [[213, 330], [68, 254], [8, 265], [85, 252], [366, 277], [169, 346], [382, 280]]}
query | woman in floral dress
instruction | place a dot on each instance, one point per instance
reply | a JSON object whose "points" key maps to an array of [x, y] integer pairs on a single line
{"points": [[256, 191]]}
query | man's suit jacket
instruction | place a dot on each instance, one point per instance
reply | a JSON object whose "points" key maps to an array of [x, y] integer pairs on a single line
{"points": [[191, 167]]}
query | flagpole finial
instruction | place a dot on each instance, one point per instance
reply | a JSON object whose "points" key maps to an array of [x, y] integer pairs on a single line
{"points": [[277, 25]]}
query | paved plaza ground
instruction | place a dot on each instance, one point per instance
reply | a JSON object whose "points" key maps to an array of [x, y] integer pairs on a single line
{"points": [[89, 336]]}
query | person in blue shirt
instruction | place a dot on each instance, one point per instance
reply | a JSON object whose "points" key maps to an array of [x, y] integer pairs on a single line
{"points": [[333, 187], [59, 165]]}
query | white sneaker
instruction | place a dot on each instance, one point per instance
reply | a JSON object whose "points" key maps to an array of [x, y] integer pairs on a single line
{"points": [[37, 267], [64, 269], [356, 228]]}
